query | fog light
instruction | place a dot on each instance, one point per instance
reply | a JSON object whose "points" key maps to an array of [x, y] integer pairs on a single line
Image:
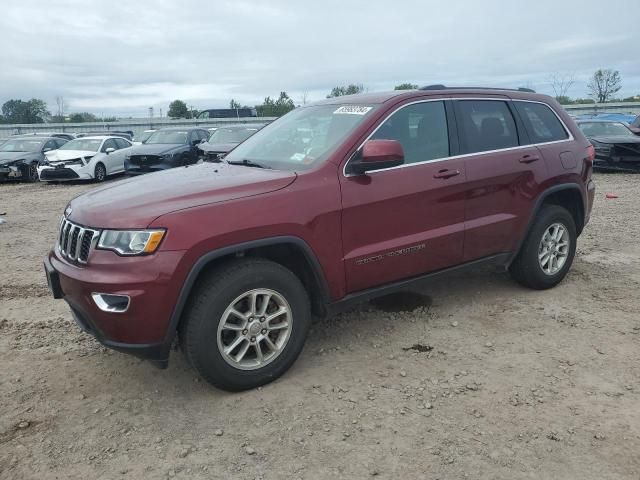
{"points": [[111, 303]]}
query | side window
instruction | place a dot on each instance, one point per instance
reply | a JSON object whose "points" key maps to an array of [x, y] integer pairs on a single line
{"points": [[541, 123], [203, 135], [60, 142], [486, 125], [421, 129], [111, 143], [122, 143], [51, 144]]}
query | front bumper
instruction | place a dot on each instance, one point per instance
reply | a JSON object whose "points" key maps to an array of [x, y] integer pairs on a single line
{"points": [[140, 169], [149, 281], [12, 172], [65, 173]]}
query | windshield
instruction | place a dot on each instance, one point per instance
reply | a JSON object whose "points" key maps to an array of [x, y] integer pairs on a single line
{"points": [[21, 145], [302, 138], [604, 128], [144, 136], [84, 144], [231, 135], [167, 136]]}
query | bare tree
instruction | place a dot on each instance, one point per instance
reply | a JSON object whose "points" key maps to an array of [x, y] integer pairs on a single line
{"points": [[60, 104], [604, 84], [561, 83]]}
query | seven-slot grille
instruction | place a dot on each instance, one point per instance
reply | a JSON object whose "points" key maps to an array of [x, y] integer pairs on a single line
{"points": [[75, 242]]}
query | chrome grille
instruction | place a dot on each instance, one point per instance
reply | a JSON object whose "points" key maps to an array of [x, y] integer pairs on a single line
{"points": [[75, 241]]}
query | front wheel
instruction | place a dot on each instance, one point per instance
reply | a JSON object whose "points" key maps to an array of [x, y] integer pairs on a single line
{"points": [[548, 250], [100, 173], [246, 324], [32, 172]]}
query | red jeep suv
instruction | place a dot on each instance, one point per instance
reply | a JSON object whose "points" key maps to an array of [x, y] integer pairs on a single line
{"points": [[335, 202]]}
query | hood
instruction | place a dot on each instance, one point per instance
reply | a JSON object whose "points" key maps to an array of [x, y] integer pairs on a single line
{"points": [[217, 147], [155, 148], [615, 139], [61, 155], [8, 157], [136, 202]]}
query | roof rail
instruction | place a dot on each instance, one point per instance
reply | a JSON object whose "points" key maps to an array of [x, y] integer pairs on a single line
{"points": [[439, 86]]}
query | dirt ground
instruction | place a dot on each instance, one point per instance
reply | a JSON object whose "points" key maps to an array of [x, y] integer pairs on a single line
{"points": [[474, 378]]}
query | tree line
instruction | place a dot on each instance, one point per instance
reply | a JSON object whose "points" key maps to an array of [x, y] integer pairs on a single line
{"points": [[35, 111], [601, 88]]}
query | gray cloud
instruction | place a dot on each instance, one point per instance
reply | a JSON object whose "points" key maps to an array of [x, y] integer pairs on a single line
{"points": [[121, 59]]}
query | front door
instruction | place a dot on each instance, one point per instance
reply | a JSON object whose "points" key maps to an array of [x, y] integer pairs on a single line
{"points": [[404, 221]]}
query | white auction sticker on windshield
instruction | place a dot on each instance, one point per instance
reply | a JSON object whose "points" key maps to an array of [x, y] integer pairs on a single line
{"points": [[352, 110]]}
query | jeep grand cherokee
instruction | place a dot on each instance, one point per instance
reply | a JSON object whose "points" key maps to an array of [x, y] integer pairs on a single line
{"points": [[335, 202]]}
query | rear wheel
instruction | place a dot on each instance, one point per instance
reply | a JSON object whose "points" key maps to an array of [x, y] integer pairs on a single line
{"points": [[246, 324], [548, 250], [100, 173]]}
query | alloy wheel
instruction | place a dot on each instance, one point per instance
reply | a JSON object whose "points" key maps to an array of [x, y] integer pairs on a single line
{"points": [[553, 249], [254, 329]]}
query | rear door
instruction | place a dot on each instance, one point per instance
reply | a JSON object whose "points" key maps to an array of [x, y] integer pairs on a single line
{"points": [[404, 221], [503, 175]]}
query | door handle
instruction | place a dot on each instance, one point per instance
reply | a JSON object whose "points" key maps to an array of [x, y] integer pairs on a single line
{"points": [[446, 173], [529, 159]]}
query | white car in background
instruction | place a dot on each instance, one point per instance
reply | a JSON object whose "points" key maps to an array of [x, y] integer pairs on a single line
{"points": [[86, 158]]}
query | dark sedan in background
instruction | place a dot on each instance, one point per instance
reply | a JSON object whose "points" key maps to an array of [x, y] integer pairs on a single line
{"points": [[224, 139], [20, 156], [616, 146], [166, 148]]}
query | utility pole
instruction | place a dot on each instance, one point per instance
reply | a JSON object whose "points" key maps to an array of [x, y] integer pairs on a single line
{"points": [[150, 117]]}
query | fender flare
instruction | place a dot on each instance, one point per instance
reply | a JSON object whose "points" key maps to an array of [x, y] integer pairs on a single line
{"points": [[208, 257], [536, 208]]}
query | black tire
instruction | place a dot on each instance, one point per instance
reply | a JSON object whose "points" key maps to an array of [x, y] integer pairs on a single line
{"points": [[32, 172], [199, 328], [526, 268], [100, 173]]}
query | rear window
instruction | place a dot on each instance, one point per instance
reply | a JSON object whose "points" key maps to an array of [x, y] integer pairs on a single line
{"points": [[541, 123], [486, 125]]}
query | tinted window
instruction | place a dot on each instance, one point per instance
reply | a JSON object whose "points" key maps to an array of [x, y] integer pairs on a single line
{"points": [[60, 142], [122, 143], [421, 129], [51, 144], [111, 143], [486, 125], [541, 123]]}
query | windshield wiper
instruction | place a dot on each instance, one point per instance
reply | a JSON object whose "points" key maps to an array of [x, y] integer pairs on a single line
{"points": [[248, 163]]}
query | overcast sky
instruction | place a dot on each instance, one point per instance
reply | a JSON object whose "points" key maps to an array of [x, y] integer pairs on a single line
{"points": [[123, 57]]}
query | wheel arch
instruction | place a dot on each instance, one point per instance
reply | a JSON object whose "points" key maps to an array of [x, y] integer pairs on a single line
{"points": [[291, 252], [567, 195]]}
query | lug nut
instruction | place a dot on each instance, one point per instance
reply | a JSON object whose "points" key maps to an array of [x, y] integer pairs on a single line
{"points": [[245, 331], [264, 330], [262, 319], [253, 339]]}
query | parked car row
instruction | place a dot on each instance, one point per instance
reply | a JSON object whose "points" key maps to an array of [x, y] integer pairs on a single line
{"points": [[61, 156]]}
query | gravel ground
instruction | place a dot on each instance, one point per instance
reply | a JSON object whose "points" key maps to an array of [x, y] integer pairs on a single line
{"points": [[472, 377]]}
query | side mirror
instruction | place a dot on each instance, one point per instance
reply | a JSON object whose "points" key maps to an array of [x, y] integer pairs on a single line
{"points": [[377, 154], [45, 150], [109, 150], [195, 142]]}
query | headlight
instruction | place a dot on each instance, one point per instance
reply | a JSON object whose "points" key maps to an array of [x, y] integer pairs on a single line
{"points": [[131, 242]]}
